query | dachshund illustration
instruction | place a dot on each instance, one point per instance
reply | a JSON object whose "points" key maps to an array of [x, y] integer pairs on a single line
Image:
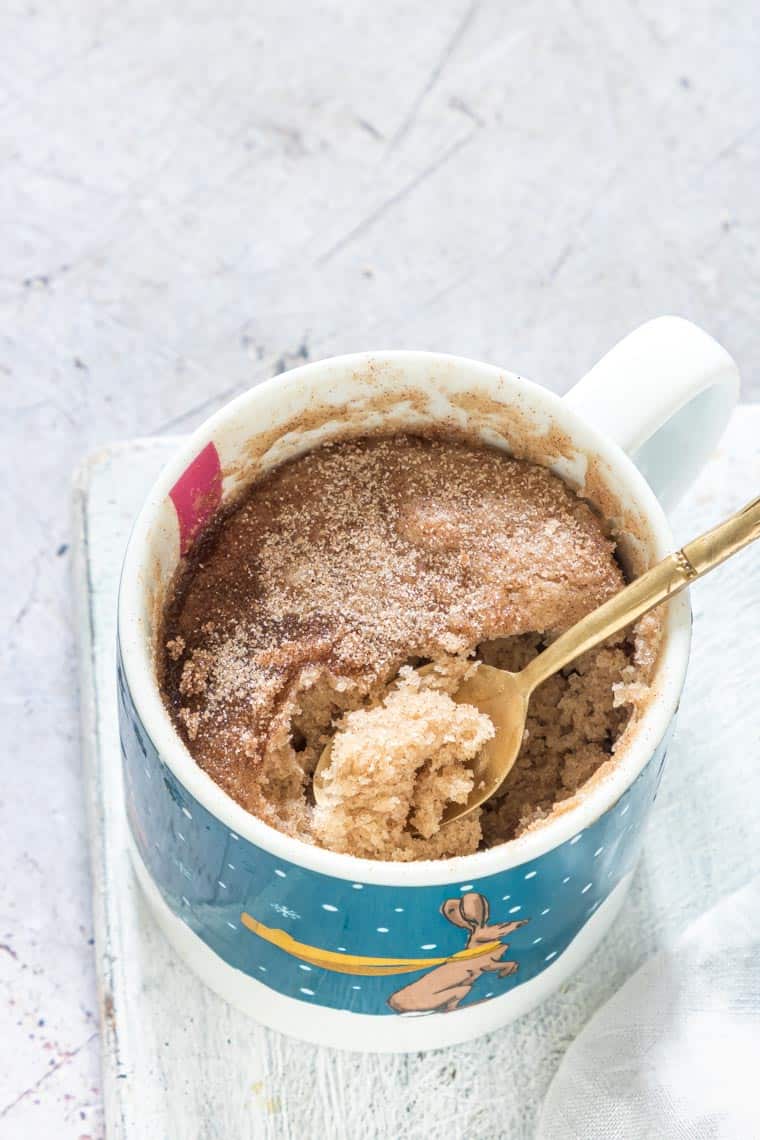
{"points": [[446, 986]]}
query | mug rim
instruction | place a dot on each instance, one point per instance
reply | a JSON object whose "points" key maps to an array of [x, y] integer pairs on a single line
{"points": [[140, 676]]}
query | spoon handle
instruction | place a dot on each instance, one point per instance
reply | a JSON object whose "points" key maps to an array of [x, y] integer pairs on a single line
{"points": [[664, 580]]}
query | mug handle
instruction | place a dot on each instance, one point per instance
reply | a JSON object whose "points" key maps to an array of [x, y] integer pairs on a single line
{"points": [[664, 394]]}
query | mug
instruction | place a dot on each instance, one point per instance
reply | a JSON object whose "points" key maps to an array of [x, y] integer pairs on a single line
{"points": [[382, 956]]}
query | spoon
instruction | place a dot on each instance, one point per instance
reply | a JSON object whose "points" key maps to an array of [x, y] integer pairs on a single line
{"points": [[504, 696]]}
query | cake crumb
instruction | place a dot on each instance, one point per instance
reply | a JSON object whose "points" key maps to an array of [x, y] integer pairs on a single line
{"points": [[175, 647], [396, 766]]}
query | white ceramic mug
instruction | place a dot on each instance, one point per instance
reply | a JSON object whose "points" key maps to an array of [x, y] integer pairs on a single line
{"points": [[318, 944]]}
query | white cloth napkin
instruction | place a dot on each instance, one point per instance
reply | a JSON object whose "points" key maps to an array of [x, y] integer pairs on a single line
{"points": [[676, 1052]]}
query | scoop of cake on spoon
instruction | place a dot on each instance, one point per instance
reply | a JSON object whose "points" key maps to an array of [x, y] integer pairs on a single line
{"points": [[504, 696]]}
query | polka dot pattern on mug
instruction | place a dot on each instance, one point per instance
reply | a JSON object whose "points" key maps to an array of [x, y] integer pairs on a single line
{"points": [[353, 945]]}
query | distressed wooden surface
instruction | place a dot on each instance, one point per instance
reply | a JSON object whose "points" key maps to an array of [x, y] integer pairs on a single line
{"points": [[195, 195], [180, 1064]]}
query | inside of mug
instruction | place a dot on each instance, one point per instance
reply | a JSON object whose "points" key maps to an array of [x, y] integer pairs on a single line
{"points": [[346, 398]]}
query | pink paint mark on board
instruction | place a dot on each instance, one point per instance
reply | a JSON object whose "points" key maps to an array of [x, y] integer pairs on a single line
{"points": [[196, 495]]}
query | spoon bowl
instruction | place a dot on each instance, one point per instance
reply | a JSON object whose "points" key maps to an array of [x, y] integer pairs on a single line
{"points": [[502, 697]]}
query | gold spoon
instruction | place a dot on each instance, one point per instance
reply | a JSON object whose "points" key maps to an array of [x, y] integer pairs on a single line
{"points": [[504, 696]]}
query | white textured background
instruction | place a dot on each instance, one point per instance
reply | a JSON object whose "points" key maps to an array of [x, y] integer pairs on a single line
{"points": [[196, 195]]}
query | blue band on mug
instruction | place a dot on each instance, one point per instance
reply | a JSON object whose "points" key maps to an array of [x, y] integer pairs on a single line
{"points": [[359, 946]]}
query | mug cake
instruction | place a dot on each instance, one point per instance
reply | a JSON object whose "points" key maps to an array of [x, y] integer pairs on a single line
{"points": [[302, 613]]}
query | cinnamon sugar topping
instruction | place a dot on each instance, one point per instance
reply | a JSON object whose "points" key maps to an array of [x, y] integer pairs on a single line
{"points": [[337, 569]]}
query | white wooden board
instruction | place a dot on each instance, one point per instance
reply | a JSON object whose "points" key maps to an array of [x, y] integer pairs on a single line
{"points": [[179, 1064]]}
